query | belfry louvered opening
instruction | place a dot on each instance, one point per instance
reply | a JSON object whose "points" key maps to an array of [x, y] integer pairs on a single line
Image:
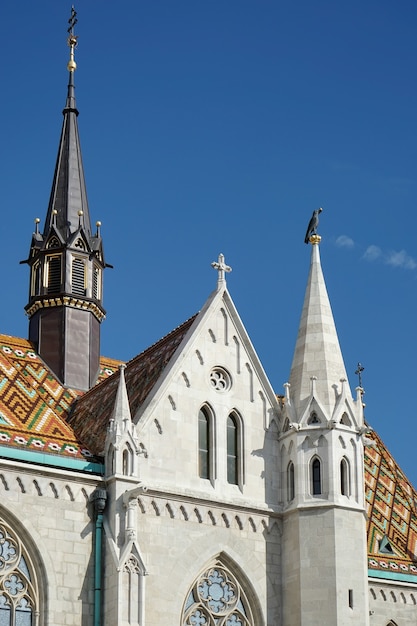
{"points": [[78, 277], [54, 274]]}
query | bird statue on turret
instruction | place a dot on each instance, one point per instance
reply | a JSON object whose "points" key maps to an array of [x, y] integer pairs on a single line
{"points": [[312, 226]]}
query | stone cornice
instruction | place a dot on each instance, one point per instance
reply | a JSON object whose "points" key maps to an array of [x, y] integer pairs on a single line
{"points": [[68, 301]]}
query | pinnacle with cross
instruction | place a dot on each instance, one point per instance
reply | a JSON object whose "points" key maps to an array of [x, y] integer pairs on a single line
{"points": [[221, 268]]}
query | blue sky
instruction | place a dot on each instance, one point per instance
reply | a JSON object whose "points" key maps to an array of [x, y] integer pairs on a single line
{"points": [[219, 126]]}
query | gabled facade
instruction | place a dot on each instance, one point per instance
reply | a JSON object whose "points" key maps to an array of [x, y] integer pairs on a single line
{"points": [[178, 488]]}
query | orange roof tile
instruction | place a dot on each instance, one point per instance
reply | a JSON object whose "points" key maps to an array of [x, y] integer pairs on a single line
{"points": [[33, 403]]}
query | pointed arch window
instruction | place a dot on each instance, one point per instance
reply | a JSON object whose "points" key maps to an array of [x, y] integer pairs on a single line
{"points": [[54, 274], [19, 600], [344, 477], [316, 476], [290, 481], [235, 447], [232, 450], [205, 443], [217, 598], [36, 279], [127, 461], [78, 277]]}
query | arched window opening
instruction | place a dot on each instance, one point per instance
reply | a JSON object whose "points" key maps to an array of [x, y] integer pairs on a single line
{"points": [[344, 477], [217, 597], [54, 274], [78, 277], [316, 477], [345, 420], [19, 602], [290, 481], [204, 443], [36, 279], [127, 461], [232, 450]]}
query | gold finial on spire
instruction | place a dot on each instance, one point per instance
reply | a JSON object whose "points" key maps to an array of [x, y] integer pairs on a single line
{"points": [[314, 239], [72, 40]]}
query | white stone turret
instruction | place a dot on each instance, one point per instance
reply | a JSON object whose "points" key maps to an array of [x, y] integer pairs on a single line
{"points": [[121, 448], [324, 536]]}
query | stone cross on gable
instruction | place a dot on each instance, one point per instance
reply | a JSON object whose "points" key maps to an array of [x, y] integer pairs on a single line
{"points": [[221, 268]]}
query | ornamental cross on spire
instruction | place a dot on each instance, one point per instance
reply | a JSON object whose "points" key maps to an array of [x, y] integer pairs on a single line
{"points": [[359, 373], [221, 268], [72, 40]]}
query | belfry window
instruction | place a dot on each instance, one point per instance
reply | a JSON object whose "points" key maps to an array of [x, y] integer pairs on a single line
{"points": [[18, 591], [36, 279], [78, 277], [54, 274], [204, 443], [316, 477], [96, 283]]}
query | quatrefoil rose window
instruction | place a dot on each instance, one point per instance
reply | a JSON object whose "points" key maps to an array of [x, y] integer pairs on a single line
{"points": [[220, 379]]}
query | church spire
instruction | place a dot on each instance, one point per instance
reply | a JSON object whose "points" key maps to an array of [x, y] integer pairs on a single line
{"points": [[317, 369], [68, 205], [66, 260]]}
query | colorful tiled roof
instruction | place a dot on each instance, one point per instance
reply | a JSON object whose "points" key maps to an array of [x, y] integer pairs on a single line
{"points": [[37, 413], [34, 405], [91, 413], [391, 504]]}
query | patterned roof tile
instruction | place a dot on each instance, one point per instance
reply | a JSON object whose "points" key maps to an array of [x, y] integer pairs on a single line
{"points": [[33, 403], [391, 505]]}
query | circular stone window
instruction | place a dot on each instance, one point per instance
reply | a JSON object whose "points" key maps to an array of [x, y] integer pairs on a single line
{"points": [[220, 379]]}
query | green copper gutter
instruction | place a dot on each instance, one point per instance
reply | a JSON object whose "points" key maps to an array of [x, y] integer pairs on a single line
{"points": [[52, 460], [397, 576], [98, 497]]}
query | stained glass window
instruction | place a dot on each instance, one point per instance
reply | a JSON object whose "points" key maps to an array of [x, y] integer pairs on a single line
{"points": [[217, 599], [18, 597]]}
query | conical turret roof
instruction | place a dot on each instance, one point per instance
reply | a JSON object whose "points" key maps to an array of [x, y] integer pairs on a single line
{"points": [[317, 352], [68, 205]]}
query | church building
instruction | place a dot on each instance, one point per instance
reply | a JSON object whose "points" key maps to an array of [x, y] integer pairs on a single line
{"points": [[180, 488]]}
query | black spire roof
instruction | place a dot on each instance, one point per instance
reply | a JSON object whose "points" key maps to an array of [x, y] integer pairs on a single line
{"points": [[68, 204]]}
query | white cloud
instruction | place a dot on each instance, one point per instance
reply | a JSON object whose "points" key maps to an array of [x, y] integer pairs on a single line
{"points": [[344, 242], [372, 253], [395, 259], [400, 259]]}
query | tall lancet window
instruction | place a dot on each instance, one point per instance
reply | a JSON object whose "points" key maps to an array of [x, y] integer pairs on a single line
{"points": [[204, 443], [290, 481], [344, 477], [232, 450], [316, 477], [54, 274], [19, 602], [217, 598]]}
